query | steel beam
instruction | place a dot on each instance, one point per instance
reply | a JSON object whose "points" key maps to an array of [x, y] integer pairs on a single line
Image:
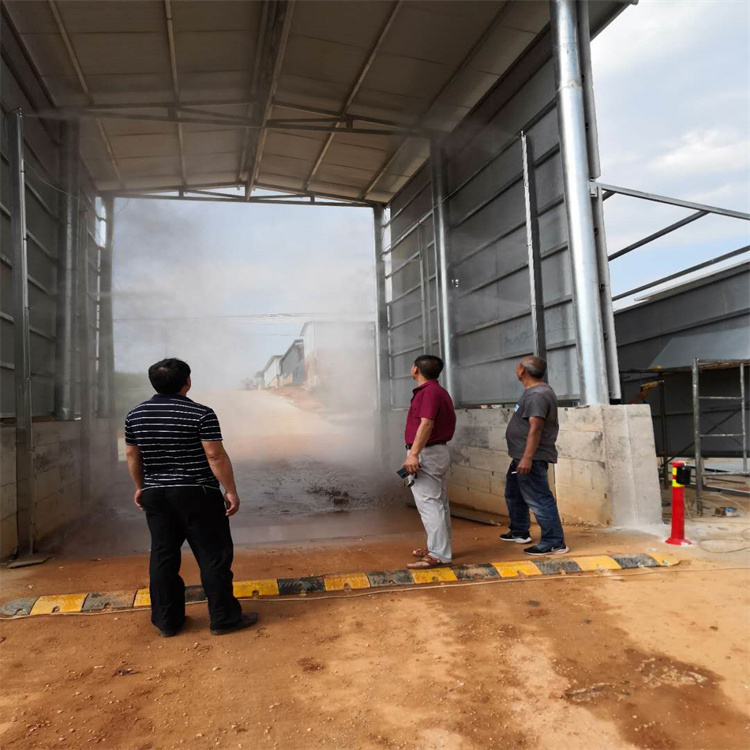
{"points": [[175, 84], [383, 367], [277, 22], [67, 264], [211, 118], [605, 299], [21, 339], [536, 290], [316, 195], [697, 436], [84, 356], [743, 417], [106, 396], [354, 90], [441, 223], [273, 201], [592, 368], [589, 104], [684, 272], [614, 189], [656, 235], [465, 62], [73, 58]]}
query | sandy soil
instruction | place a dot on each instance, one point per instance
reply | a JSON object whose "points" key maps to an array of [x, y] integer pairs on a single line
{"points": [[652, 659]]}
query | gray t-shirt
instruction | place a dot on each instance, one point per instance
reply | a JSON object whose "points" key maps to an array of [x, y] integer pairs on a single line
{"points": [[537, 401]]}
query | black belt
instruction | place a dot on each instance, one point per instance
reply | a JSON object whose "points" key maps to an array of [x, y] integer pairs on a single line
{"points": [[429, 445]]}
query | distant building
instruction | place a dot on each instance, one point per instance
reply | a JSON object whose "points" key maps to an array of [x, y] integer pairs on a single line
{"points": [[272, 373], [340, 362], [293, 364]]}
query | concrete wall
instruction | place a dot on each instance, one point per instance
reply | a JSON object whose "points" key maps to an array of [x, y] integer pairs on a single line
{"points": [[606, 474], [57, 477]]}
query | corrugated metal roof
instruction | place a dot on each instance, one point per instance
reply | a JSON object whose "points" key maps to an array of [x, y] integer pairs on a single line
{"points": [[409, 64]]}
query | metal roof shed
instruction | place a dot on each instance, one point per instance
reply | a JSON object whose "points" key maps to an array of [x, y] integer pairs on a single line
{"points": [[327, 97], [333, 102]]}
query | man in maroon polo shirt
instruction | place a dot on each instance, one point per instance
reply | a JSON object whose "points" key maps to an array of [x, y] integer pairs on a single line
{"points": [[430, 424]]}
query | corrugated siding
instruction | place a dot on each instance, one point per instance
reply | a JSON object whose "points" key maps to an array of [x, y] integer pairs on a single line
{"points": [[21, 89], [488, 250]]}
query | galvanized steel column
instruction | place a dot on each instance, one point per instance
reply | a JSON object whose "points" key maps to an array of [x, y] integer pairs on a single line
{"points": [[696, 390], [66, 273], [381, 315], [21, 340], [534, 253], [442, 229], [592, 367], [84, 354], [106, 406]]}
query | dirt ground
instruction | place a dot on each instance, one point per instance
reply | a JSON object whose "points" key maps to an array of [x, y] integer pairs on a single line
{"points": [[657, 659], [649, 659]]}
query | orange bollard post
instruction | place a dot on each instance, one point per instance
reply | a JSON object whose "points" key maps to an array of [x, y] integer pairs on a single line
{"points": [[680, 477]]}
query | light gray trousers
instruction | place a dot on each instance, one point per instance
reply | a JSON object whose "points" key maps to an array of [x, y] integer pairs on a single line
{"points": [[430, 490]]}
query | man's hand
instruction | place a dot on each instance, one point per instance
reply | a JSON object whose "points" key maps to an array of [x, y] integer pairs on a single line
{"points": [[412, 463], [232, 503], [523, 466], [137, 498]]}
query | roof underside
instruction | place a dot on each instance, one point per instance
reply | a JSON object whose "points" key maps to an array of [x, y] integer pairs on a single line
{"points": [[209, 93]]}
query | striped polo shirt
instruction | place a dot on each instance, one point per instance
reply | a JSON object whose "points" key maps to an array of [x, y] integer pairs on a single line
{"points": [[168, 431]]}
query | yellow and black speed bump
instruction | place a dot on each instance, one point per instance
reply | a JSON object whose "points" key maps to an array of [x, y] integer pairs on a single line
{"points": [[294, 587]]}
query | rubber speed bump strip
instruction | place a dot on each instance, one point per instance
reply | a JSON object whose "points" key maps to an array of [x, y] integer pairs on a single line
{"points": [[294, 587]]}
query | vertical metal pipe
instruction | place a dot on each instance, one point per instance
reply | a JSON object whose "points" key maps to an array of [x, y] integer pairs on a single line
{"points": [[436, 264], [744, 417], [589, 105], [605, 299], [442, 229], [536, 289], [66, 273], [697, 436], [84, 353], [423, 290], [381, 315], [664, 430], [106, 406], [21, 339], [582, 246], [428, 296]]}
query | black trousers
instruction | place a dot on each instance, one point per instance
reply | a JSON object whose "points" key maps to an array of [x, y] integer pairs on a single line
{"points": [[197, 514]]}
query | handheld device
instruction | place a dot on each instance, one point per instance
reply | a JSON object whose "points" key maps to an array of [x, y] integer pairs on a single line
{"points": [[409, 479]]}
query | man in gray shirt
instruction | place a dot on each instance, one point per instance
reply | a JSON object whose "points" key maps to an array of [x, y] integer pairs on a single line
{"points": [[531, 436]]}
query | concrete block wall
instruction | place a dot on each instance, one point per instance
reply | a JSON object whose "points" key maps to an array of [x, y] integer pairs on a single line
{"points": [[57, 477], [8, 529], [606, 473]]}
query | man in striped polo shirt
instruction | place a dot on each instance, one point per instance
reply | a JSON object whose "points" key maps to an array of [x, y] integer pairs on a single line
{"points": [[177, 461]]}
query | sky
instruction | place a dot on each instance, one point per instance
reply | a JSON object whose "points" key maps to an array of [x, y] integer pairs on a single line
{"points": [[672, 80]]}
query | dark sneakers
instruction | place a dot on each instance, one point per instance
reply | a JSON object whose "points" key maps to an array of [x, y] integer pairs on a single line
{"points": [[539, 550], [246, 621], [517, 538], [173, 631]]}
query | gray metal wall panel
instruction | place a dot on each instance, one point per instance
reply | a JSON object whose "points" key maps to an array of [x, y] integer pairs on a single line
{"points": [[412, 202], [488, 239], [490, 242], [714, 305], [20, 88]]}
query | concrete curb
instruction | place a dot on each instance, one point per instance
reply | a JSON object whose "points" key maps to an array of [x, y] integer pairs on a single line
{"points": [[117, 601]]}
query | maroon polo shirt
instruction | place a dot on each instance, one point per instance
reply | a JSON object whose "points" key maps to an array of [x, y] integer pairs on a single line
{"points": [[431, 401]]}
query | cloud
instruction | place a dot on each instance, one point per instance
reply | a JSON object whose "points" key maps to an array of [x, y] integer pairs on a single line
{"points": [[704, 152]]}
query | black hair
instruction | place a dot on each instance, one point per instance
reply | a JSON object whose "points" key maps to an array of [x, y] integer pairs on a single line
{"points": [[429, 366], [169, 376], [535, 366]]}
